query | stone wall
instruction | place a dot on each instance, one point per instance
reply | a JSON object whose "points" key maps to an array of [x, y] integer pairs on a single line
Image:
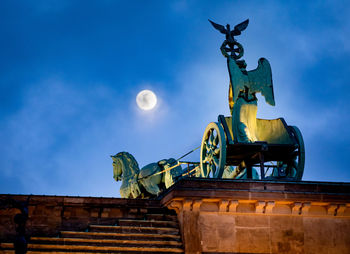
{"points": [[50, 214], [262, 217], [215, 216]]}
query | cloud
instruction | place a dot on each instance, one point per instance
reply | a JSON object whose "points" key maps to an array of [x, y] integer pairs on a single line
{"points": [[179, 6], [58, 137], [54, 126]]}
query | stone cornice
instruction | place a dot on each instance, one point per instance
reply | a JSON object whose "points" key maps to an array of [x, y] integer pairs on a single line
{"points": [[81, 201], [260, 197]]}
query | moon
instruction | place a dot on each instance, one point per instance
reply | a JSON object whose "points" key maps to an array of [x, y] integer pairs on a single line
{"points": [[146, 100]]}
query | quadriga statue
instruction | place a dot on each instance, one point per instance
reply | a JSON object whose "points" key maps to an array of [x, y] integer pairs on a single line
{"points": [[151, 180]]}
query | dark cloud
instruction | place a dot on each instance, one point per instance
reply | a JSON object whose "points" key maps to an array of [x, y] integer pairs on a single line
{"points": [[70, 72]]}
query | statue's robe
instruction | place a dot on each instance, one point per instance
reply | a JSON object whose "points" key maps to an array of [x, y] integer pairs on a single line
{"points": [[244, 84], [244, 121]]}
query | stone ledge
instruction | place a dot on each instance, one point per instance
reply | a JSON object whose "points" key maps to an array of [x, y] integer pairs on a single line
{"points": [[260, 197], [50, 200], [199, 188], [232, 216], [256, 207]]}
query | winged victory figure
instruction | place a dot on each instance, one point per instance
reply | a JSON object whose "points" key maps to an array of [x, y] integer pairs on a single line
{"points": [[244, 85]]}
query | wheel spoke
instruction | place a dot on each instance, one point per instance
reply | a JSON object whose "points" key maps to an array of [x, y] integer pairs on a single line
{"points": [[217, 151], [205, 169], [211, 137], [207, 146], [213, 168], [216, 161], [216, 140]]}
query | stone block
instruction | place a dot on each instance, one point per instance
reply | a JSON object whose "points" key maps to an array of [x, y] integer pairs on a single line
{"points": [[217, 232], [282, 209], [209, 207], [94, 212], [326, 235], [317, 210], [251, 221], [246, 207], [252, 239], [73, 200], [287, 234]]}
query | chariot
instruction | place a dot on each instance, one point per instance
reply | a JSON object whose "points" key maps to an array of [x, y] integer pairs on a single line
{"points": [[280, 153]]}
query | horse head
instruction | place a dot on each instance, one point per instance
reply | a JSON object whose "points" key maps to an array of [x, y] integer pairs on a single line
{"points": [[126, 169], [124, 166], [117, 168]]}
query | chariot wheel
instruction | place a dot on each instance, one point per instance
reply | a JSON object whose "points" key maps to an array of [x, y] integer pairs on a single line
{"points": [[294, 168], [213, 151]]}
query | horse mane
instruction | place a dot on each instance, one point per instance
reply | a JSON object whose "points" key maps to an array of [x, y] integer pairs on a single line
{"points": [[129, 163]]}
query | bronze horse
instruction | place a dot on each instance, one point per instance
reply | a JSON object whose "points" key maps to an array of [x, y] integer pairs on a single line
{"points": [[149, 181]]}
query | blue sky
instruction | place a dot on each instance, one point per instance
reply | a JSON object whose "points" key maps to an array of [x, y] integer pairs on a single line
{"points": [[70, 72]]}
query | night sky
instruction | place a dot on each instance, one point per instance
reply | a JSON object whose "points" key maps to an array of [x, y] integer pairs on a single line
{"points": [[70, 72]]}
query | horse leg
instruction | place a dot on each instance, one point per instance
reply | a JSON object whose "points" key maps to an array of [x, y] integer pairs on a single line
{"points": [[151, 184]]}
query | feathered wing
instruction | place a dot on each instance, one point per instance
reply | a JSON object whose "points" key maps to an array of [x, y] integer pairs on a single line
{"points": [[260, 81], [238, 79], [240, 27], [221, 28]]}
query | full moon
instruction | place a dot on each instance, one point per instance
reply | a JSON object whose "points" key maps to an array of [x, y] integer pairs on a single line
{"points": [[146, 100]]}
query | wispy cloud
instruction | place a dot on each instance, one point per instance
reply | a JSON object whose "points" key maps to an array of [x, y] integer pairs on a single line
{"points": [[58, 137]]}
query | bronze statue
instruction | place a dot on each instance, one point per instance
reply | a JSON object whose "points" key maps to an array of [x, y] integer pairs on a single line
{"points": [[150, 181], [244, 85], [232, 146], [241, 139]]}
